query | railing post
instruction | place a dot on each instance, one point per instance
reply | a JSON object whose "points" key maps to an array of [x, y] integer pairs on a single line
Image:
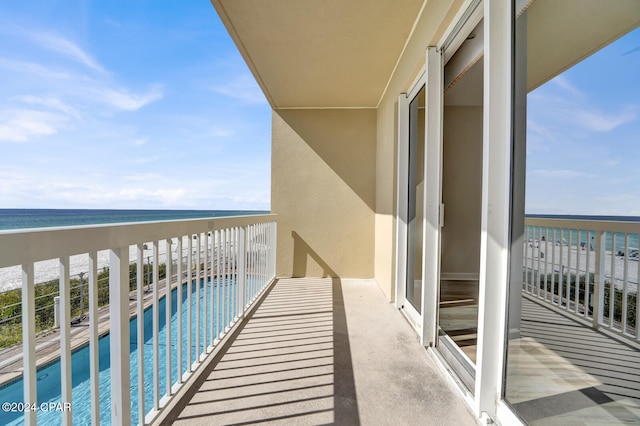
{"points": [[56, 312], [119, 336], [94, 353], [241, 277], [167, 299], [65, 339], [140, 329], [29, 342], [598, 279]]}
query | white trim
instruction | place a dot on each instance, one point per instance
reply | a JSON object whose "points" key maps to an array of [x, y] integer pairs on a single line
{"points": [[401, 202], [404, 49], [418, 82], [323, 108], [506, 416], [459, 276], [412, 315], [432, 197], [466, 20]]}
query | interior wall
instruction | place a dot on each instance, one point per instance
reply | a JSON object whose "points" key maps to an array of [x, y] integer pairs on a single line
{"points": [[323, 190], [462, 190]]}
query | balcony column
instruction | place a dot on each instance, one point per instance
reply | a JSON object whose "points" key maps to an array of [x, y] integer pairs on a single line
{"points": [[119, 335]]}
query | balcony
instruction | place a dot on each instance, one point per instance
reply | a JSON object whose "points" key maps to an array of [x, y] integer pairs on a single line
{"points": [[252, 347]]}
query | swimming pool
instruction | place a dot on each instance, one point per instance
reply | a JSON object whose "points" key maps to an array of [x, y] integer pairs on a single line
{"points": [[48, 377]]}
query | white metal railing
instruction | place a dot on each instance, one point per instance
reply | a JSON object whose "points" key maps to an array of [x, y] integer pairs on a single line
{"points": [[222, 264], [588, 268]]}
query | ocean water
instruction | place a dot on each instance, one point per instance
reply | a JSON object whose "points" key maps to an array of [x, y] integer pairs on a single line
{"points": [[15, 219], [46, 218], [581, 238]]}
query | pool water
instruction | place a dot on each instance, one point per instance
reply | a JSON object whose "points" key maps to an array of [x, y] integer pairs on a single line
{"points": [[48, 378]]}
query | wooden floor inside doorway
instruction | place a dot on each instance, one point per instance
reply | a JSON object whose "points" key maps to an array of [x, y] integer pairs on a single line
{"points": [[459, 314]]}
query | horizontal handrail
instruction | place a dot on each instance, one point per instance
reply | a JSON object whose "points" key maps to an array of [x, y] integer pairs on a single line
{"points": [[33, 245]]}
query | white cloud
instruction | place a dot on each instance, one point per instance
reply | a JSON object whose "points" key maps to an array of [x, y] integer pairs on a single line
{"points": [[564, 83], [560, 173], [243, 88], [47, 101], [600, 121], [21, 125], [59, 44], [126, 100], [220, 132], [139, 141], [144, 176], [32, 68]]}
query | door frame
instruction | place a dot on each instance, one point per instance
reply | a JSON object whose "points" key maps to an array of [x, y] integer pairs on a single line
{"points": [[430, 77], [402, 219]]}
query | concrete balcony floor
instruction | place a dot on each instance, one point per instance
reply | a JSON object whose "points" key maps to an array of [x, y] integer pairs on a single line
{"points": [[560, 372], [324, 351]]}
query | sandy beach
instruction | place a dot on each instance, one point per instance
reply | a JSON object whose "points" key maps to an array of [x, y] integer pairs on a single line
{"points": [[549, 257], [47, 270]]}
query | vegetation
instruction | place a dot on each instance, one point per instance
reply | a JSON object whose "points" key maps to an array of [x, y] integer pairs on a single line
{"points": [[11, 302]]}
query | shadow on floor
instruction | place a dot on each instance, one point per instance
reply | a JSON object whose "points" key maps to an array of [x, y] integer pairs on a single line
{"points": [[291, 361], [560, 371]]}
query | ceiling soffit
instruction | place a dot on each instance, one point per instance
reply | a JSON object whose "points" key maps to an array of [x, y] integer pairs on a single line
{"points": [[320, 53]]}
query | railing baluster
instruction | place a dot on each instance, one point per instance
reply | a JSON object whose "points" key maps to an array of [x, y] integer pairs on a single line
{"points": [[612, 291], [168, 308], [553, 264], [598, 301], [189, 300], [119, 336], [212, 334], [94, 358], [577, 286], [569, 256], [260, 257], [223, 322], [198, 307], [227, 276], [218, 286], [233, 280], [65, 337], [156, 330], [525, 266], [179, 313], [241, 270], [625, 283], [29, 342], [561, 272], [587, 280], [205, 298], [140, 329]]}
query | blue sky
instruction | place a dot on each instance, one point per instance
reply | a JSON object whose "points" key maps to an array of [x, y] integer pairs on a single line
{"points": [[120, 104], [146, 104], [583, 136]]}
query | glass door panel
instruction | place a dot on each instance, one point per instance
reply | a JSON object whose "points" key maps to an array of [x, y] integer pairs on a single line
{"points": [[415, 217]]}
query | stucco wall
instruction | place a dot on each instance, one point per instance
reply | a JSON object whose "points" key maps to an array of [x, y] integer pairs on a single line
{"points": [[461, 190], [430, 27], [323, 190]]}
